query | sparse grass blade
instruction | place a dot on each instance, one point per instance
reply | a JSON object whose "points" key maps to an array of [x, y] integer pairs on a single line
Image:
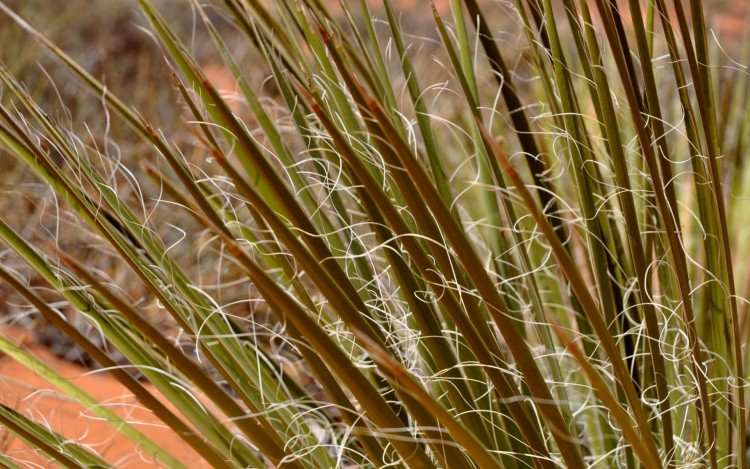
{"points": [[62, 451]]}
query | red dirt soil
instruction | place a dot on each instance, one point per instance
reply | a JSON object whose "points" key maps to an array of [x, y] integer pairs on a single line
{"points": [[30, 394]]}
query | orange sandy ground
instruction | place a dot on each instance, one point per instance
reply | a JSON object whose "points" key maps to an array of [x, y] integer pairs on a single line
{"points": [[33, 396]]}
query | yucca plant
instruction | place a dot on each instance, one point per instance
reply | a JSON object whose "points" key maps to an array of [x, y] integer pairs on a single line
{"points": [[407, 251]]}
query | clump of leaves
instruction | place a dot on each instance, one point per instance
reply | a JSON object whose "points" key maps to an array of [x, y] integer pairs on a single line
{"points": [[421, 261]]}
